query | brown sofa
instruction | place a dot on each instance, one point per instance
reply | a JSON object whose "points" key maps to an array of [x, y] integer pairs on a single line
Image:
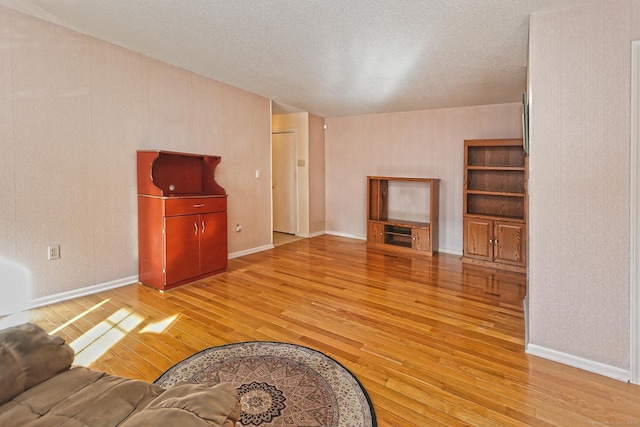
{"points": [[39, 387]]}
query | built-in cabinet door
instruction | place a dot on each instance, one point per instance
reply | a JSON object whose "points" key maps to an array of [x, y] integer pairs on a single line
{"points": [[213, 241], [478, 238], [375, 232], [420, 239], [509, 243], [182, 253]]}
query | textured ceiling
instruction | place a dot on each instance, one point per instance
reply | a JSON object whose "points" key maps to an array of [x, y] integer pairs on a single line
{"points": [[327, 57]]}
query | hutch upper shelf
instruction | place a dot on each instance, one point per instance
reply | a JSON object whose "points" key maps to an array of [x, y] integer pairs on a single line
{"points": [[167, 173]]}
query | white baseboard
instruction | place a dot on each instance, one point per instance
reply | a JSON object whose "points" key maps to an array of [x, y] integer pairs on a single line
{"points": [[317, 233], [578, 362], [450, 251], [250, 251], [350, 236], [89, 290], [76, 293]]}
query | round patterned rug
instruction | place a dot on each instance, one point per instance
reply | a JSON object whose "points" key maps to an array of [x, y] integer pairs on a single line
{"points": [[280, 384]]}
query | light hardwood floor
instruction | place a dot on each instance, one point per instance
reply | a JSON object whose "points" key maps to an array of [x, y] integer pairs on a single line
{"points": [[432, 341]]}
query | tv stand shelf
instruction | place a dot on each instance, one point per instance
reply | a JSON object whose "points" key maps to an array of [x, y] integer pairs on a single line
{"points": [[415, 197], [401, 222]]}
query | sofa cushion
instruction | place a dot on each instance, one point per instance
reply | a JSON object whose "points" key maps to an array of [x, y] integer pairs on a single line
{"points": [[191, 405], [84, 397], [29, 356], [38, 388], [79, 397]]}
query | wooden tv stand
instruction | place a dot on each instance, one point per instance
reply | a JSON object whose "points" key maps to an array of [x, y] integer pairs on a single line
{"points": [[414, 236]]}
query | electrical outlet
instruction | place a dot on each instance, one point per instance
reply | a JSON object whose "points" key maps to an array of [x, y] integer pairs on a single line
{"points": [[54, 252]]}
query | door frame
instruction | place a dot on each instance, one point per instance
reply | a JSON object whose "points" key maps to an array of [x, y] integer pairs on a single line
{"points": [[634, 201], [296, 184]]}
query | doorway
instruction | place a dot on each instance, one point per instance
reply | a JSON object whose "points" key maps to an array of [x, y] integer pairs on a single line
{"points": [[284, 182]]}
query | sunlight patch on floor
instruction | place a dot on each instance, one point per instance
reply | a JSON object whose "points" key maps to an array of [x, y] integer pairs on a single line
{"points": [[159, 327], [99, 339], [79, 316]]}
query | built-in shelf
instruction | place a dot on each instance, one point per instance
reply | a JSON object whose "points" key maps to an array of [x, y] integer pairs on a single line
{"points": [[495, 204]]}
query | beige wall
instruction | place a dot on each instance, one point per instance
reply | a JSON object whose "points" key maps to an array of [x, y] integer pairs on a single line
{"points": [[73, 111], [317, 224], [413, 144], [579, 183]]}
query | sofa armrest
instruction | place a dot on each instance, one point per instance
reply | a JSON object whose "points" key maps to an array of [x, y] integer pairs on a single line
{"points": [[29, 356], [186, 404]]}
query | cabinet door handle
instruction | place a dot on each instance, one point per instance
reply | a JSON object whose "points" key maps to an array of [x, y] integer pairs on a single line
{"points": [[495, 242], [195, 224], [491, 241], [203, 227], [198, 205]]}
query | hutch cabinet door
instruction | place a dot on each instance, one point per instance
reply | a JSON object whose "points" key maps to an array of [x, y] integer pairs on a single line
{"points": [[510, 242], [213, 241], [478, 238], [420, 239], [182, 253]]}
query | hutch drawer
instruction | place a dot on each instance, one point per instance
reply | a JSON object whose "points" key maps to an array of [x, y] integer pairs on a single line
{"points": [[195, 205]]}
